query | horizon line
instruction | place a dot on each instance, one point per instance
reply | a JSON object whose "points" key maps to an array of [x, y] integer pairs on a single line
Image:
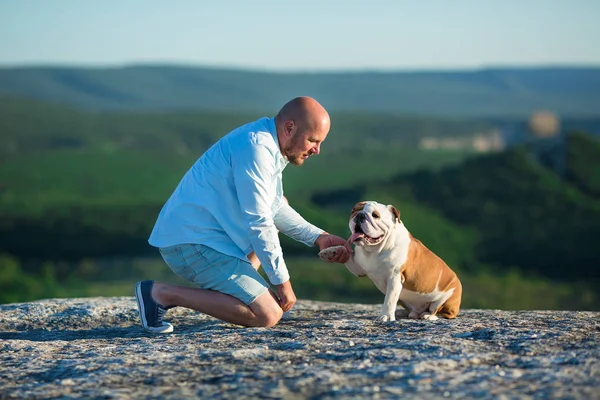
{"points": [[325, 70]]}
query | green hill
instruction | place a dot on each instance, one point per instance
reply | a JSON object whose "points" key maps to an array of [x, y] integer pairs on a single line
{"points": [[76, 184], [487, 92], [29, 125]]}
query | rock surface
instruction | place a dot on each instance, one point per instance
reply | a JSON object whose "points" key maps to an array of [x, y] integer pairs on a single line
{"points": [[95, 348]]}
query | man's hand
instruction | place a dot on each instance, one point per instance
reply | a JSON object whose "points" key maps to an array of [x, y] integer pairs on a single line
{"points": [[286, 295], [325, 240]]}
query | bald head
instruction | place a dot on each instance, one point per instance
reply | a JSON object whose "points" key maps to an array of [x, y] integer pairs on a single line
{"points": [[307, 113], [302, 125]]}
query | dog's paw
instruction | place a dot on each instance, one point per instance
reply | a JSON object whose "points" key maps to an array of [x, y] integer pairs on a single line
{"points": [[329, 253], [386, 318], [414, 315], [429, 317]]}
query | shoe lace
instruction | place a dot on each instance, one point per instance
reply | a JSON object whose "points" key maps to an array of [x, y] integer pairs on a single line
{"points": [[160, 313]]}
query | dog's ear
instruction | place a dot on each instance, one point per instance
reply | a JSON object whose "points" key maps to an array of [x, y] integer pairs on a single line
{"points": [[395, 212], [358, 207]]}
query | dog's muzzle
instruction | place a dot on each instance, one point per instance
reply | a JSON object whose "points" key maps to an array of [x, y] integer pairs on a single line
{"points": [[360, 218], [359, 233]]}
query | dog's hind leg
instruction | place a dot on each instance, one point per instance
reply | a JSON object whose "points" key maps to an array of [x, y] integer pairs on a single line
{"points": [[451, 308]]}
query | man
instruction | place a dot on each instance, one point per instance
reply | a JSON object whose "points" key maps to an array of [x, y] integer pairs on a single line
{"points": [[222, 221]]}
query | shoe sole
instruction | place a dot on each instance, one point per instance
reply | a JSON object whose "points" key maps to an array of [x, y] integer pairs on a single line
{"points": [[166, 328]]}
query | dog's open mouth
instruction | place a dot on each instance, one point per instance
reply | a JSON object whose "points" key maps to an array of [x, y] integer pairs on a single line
{"points": [[360, 235]]}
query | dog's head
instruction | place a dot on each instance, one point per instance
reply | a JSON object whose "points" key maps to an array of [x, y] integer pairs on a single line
{"points": [[371, 223]]}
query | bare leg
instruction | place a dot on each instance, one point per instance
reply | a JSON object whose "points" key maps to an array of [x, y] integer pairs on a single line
{"points": [[264, 311], [254, 260]]}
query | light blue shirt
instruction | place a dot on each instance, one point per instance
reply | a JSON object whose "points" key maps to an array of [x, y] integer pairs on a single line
{"points": [[231, 200]]}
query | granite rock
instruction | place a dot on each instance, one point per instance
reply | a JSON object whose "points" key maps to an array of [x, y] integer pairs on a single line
{"points": [[95, 348]]}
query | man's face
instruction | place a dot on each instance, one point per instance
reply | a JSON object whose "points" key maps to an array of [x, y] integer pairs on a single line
{"points": [[302, 145]]}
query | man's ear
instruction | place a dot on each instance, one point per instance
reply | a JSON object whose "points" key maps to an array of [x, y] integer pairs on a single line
{"points": [[289, 128], [395, 212]]}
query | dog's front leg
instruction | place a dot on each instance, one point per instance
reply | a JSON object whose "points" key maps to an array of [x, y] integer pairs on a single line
{"points": [[392, 294], [330, 252], [354, 267]]}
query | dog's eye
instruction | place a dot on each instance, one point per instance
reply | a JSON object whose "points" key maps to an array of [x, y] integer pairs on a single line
{"points": [[375, 214]]}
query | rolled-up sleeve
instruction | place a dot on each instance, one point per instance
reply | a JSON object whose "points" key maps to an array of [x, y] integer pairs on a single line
{"points": [[254, 172], [292, 224]]}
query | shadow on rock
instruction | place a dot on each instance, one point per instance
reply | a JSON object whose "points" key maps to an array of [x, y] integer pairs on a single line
{"points": [[44, 335]]}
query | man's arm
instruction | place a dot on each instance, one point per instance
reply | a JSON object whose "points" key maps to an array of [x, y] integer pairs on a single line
{"points": [[253, 174], [292, 224]]}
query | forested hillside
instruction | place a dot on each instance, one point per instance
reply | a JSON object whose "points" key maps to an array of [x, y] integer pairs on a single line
{"points": [[487, 92], [27, 125], [76, 184]]}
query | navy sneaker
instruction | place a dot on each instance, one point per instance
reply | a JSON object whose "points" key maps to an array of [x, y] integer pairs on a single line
{"points": [[151, 313]]}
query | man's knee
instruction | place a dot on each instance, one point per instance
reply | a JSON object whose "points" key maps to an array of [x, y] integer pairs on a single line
{"points": [[271, 317], [267, 311]]}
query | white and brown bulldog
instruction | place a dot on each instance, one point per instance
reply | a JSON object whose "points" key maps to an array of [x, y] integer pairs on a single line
{"points": [[399, 265]]}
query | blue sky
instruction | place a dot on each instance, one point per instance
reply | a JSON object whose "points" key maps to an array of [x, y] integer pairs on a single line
{"points": [[301, 35]]}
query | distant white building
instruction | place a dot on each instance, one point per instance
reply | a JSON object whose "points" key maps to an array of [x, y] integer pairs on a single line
{"points": [[483, 142]]}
